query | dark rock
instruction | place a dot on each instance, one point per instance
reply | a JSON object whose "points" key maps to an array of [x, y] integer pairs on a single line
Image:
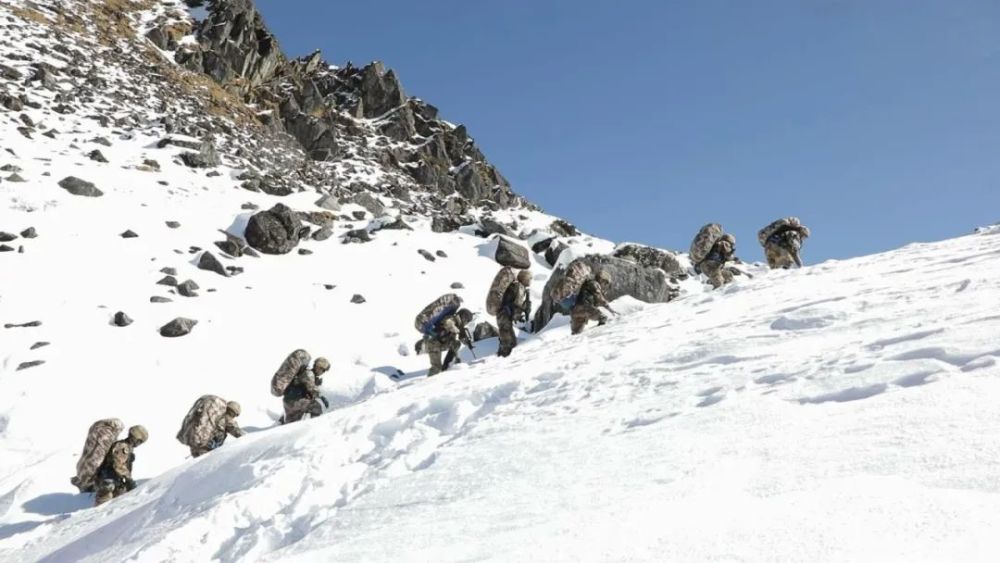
{"points": [[444, 224], [6, 248], [305, 252], [79, 187], [230, 247], [397, 225], [542, 246], [457, 285], [30, 232], [275, 231], [234, 270], [323, 234], [206, 157], [358, 215], [173, 224], [27, 365], [357, 236], [483, 331], [97, 156], [129, 234], [101, 141], [554, 251], [121, 319], [329, 286], [650, 257], [489, 226], [370, 203], [210, 263], [250, 252], [250, 206], [16, 178], [169, 281], [7, 237], [357, 299], [177, 327], [328, 202], [169, 271], [32, 324], [564, 228], [511, 254], [188, 289], [158, 299], [649, 285], [430, 257], [38, 345], [441, 254]]}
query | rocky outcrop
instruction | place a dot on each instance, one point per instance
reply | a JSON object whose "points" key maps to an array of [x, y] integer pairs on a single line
{"points": [[651, 258], [511, 254], [275, 231], [646, 284]]}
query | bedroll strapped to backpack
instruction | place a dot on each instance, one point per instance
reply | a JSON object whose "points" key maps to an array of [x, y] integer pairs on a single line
{"points": [[494, 299], [101, 436], [293, 364], [564, 291], [434, 313], [703, 242], [785, 224], [200, 424]]}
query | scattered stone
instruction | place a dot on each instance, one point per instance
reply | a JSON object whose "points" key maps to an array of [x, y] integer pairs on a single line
{"points": [[7, 237], [169, 271], [275, 231], [206, 157], [357, 236], [30, 232], [398, 225], [38, 345], [512, 254], [483, 331], [323, 234], [151, 164], [357, 299], [489, 226], [359, 215], [158, 299], [441, 254], [79, 187], [553, 252], [370, 203], [170, 280], [27, 365], [430, 257], [129, 234], [328, 202], [234, 270], [32, 324], [250, 206], [543, 245], [564, 228], [188, 289], [16, 178], [121, 319], [458, 285], [210, 263], [230, 247], [305, 252], [5, 248], [97, 156], [329, 286], [177, 327], [173, 224], [101, 141], [444, 224], [250, 252]]}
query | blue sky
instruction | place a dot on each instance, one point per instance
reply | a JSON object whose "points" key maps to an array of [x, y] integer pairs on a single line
{"points": [[875, 121]]}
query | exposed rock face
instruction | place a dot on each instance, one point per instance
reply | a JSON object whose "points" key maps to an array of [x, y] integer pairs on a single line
{"points": [[512, 254], [649, 285], [650, 257], [275, 231]]}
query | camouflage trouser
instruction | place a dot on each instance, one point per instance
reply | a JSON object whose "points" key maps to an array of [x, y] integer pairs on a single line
{"points": [[508, 338], [108, 489], [435, 348], [778, 256], [295, 410], [581, 314], [716, 272]]}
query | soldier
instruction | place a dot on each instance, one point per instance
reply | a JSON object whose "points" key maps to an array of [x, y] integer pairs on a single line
{"points": [[782, 241], [588, 300], [302, 396], [714, 265], [448, 335], [515, 306], [115, 475], [208, 423]]}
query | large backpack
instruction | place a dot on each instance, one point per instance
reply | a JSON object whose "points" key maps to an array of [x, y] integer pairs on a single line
{"points": [[434, 313], [201, 422], [293, 364], [502, 281], [564, 291], [784, 224], [703, 242], [101, 436]]}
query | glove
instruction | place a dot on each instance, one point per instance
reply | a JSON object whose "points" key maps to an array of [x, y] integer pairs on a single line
{"points": [[322, 399], [129, 483]]}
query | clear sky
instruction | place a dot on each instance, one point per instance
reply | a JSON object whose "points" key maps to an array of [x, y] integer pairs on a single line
{"points": [[875, 121]]}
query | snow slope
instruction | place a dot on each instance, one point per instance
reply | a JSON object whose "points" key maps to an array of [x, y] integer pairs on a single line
{"points": [[845, 411]]}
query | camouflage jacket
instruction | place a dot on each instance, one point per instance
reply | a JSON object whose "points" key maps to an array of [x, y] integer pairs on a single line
{"points": [[227, 426], [592, 294], [515, 301], [118, 462], [305, 385], [448, 332]]}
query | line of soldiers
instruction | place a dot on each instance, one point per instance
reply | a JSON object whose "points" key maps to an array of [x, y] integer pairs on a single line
{"points": [[712, 249]]}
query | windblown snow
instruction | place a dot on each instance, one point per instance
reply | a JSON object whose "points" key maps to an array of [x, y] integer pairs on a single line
{"points": [[845, 411]]}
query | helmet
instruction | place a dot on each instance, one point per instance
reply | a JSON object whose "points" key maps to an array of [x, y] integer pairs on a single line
{"points": [[604, 276], [465, 315], [524, 277], [138, 434], [321, 364], [234, 408], [728, 238]]}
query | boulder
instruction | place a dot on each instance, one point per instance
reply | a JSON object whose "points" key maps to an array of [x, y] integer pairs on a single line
{"points": [[206, 157], [275, 231], [210, 263], [79, 187], [328, 202], [121, 319], [7, 237], [188, 289], [649, 257], [427, 255], [370, 203], [511, 254], [444, 224], [489, 226], [483, 331], [649, 285], [30, 232], [177, 327], [554, 251], [358, 299]]}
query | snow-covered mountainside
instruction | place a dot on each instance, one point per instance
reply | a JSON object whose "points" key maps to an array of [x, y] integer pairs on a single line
{"points": [[845, 411]]}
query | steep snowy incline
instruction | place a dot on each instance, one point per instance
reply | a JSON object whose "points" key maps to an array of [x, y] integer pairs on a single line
{"points": [[846, 411]]}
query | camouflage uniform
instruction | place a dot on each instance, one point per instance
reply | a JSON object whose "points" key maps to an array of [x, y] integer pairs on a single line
{"points": [[782, 242], [225, 426], [588, 299], [115, 475], [714, 265], [449, 335], [302, 395], [515, 306]]}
